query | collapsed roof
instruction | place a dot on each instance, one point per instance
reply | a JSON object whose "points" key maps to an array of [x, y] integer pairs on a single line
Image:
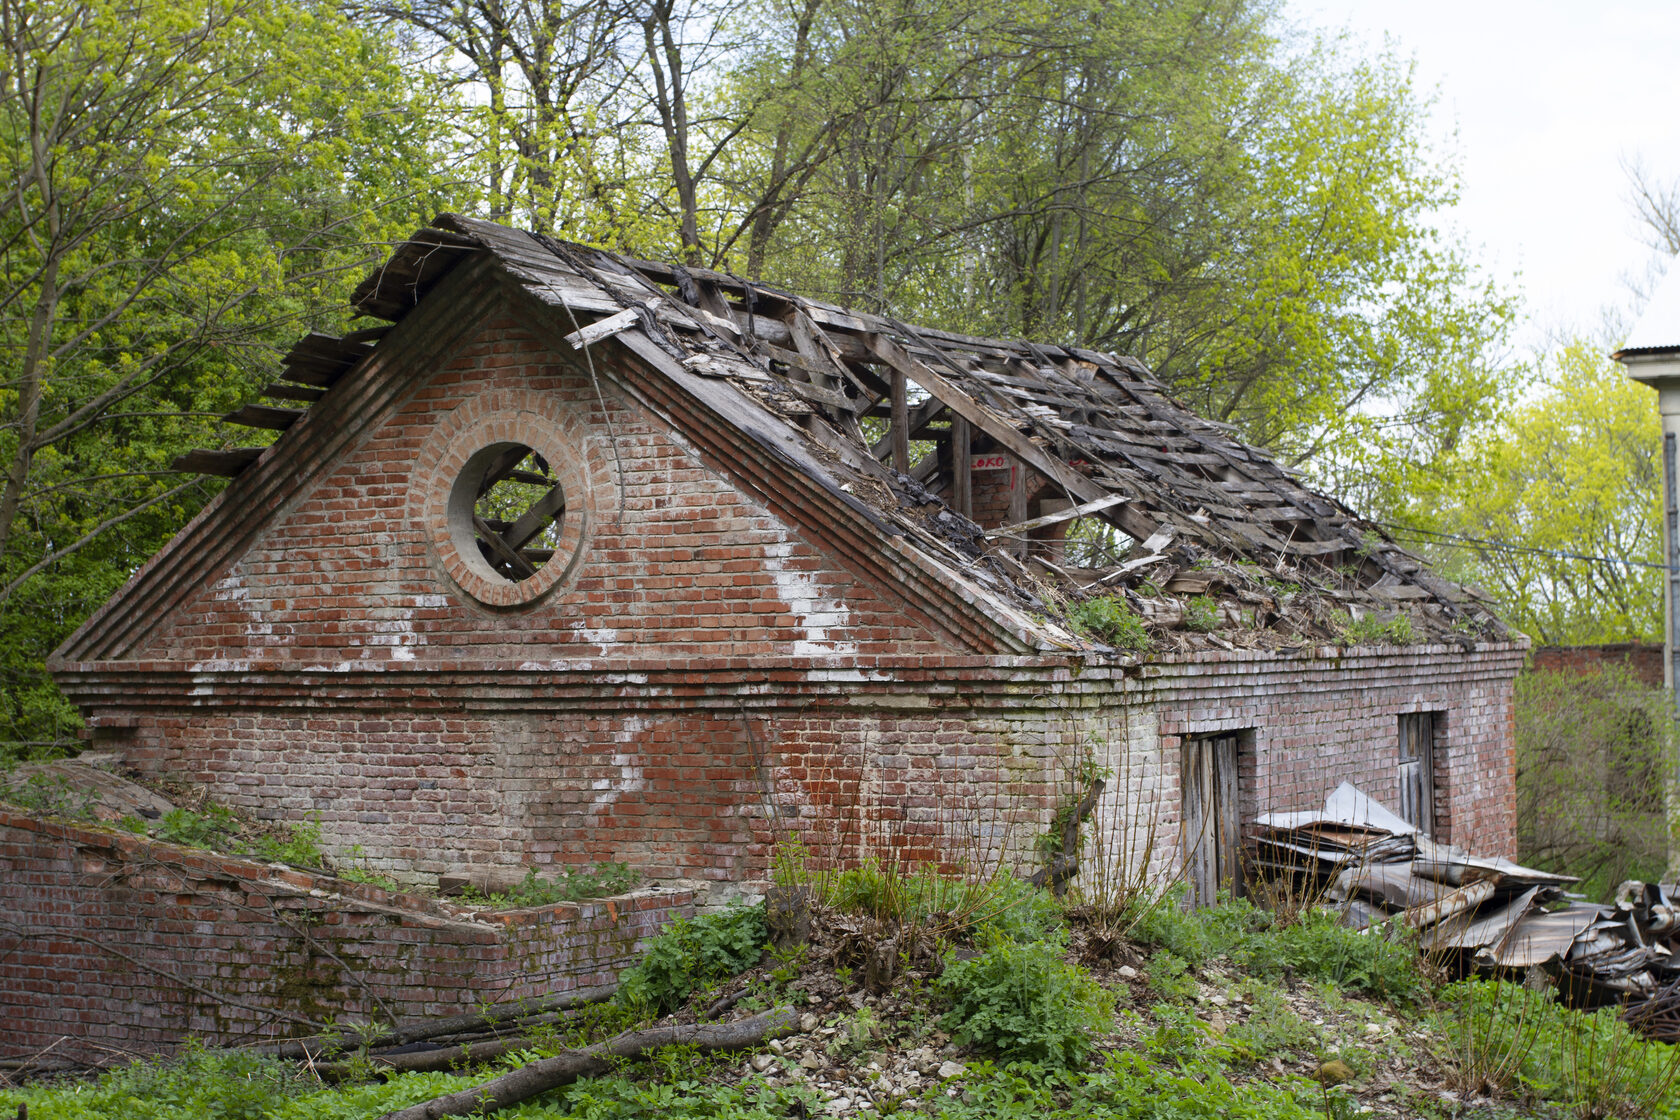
{"points": [[1204, 537]]}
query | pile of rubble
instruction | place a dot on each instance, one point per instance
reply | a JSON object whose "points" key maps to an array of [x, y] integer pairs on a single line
{"points": [[1478, 914]]}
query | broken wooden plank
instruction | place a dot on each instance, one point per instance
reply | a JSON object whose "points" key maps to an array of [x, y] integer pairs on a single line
{"points": [[1072, 512], [534, 520], [1129, 520], [226, 464], [265, 416], [522, 567], [603, 328], [281, 391]]}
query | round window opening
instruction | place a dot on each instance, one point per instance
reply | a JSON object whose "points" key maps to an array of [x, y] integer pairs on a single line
{"points": [[505, 511]]}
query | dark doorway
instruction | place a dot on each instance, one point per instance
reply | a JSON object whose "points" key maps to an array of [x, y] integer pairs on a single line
{"points": [[1212, 831], [1417, 770]]}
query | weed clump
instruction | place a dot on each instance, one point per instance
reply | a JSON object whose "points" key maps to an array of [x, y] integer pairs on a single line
{"points": [[574, 885], [1319, 947], [1369, 629], [1201, 614], [691, 953], [1025, 1002], [1108, 619], [1505, 1037]]}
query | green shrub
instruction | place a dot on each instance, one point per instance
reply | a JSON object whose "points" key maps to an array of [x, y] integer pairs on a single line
{"points": [[1371, 629], [1197, 936], [1108, 619], [1320, 947], [692, 953], [1125, 1087], [50, 795], [948, 906], [1169, 978], [1025, 1002], [1594, 753], [1272, 1027], [298, 844], [197, 1084], [212, 827], [1505, 1036], [575, 884], [1201, 614], [1020, 912]]}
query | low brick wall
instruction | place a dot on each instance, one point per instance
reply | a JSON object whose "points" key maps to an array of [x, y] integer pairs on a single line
{"points": [[1643, 659], [117, 940]]}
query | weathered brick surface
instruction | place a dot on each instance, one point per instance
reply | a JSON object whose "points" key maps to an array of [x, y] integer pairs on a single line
{"points": [[115, 940], [716, 659], [674, 557], [1643, 659]]}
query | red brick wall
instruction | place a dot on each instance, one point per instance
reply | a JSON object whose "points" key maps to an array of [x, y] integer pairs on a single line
{"points": [[696, 770], [1643, 659], [122, 941], [674, 556], [1334, 716]]}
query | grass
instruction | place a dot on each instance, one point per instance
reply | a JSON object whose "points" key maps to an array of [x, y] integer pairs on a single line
{"points": [[574, 884], [1247, 1010]]}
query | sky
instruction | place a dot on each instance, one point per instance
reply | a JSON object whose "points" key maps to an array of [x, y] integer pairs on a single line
{"points": [[1540, 102]]}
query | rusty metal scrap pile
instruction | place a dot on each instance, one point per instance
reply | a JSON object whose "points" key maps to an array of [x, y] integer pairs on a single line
{"points": [[1484, 914]]}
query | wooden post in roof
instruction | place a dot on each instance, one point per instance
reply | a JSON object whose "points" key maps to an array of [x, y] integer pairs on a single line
{"points": [[962, 467], [900, 423]]}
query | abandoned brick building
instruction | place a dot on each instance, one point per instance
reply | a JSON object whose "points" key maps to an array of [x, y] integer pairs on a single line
{"points": [[587, 559], [584, 558]]}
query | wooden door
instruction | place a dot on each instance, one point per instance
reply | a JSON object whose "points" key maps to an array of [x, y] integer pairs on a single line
{"points": [[1417, 770], [1212, 833]]}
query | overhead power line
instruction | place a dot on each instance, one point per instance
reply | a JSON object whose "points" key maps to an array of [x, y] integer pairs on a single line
{"points": [[1529, 550]]}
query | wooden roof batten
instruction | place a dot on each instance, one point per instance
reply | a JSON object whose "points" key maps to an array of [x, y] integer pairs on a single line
{"points": [[1203, 512]]}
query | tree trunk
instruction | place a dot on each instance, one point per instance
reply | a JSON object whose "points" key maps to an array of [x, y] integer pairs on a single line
{"points": [[567, 1067]]}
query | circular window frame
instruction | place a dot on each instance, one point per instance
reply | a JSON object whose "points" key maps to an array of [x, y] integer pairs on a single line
{"points": [[467, 437]]}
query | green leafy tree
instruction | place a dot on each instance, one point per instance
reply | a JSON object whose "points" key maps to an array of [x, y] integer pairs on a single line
{"points": [[189, 187], [1556, 508]]}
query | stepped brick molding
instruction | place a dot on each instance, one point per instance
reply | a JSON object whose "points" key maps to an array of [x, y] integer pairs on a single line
{"points": [[114, 940]]}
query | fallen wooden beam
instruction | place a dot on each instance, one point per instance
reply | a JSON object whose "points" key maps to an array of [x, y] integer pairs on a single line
{"points": [[1069, 514], [592, 1061]]}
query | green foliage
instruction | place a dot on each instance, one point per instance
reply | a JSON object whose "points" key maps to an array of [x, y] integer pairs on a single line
{"points": [[298, 843], [1197, 936], [1570, 473], [211, 827], [1594, 754], [196, 1085], [1317, 947], [603, 880], [1025, 1002], [945, 905], [48, 794], [691, 953], [217, 179], [1505, 1036], [1126, 1086], [1169, 977], [1372, 629], [1320, 947], [1271, 1028], [1201, 614], [1108, 619]]}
